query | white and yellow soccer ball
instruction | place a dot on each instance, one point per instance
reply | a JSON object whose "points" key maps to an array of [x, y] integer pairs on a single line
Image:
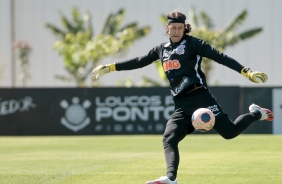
{"points": [[203, 119]]}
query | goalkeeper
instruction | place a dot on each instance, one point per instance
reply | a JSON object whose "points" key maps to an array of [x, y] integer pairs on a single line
{"points": [[181, 58]]}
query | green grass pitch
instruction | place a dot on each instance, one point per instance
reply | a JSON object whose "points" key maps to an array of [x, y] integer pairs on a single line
{"points": [[205, 159]]}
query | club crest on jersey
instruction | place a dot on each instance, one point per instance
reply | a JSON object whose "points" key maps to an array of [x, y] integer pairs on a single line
{"points": [[180, 50]]}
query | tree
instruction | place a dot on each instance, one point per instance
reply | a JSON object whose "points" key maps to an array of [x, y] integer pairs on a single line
{"points": [[203, 27], [82, 51], [23, 50]]}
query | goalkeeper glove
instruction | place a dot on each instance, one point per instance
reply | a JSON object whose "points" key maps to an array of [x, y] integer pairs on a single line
{"points": [[102, 70], [254, 76]]}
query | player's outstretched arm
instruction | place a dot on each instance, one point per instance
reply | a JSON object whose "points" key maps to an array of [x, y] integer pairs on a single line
{"points": [[102, 70], [254, 76]]}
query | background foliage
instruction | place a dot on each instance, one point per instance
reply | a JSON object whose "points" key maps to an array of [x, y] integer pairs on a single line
{"points": [[82, 50]]}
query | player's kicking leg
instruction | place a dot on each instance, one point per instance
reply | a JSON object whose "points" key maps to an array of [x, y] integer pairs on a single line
{"points": [[266, 114], [162, 180]]}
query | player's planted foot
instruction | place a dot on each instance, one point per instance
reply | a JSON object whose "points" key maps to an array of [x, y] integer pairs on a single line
{"points": [[266, 114], [162, 180]]}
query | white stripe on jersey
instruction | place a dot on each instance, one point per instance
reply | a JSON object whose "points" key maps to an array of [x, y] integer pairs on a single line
{"points": [[196, 68]]}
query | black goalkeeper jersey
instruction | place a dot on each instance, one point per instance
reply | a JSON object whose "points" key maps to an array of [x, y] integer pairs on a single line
{"points": [[181, 62]]}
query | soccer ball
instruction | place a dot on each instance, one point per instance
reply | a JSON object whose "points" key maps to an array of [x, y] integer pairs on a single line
{"points": [[203, 119]]}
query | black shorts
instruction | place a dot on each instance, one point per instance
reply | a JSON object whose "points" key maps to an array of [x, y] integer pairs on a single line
{"points": [[185, 105], [200, 98]]}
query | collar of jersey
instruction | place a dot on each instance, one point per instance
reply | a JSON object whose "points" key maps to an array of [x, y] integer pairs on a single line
{"points": [[177, 43]]}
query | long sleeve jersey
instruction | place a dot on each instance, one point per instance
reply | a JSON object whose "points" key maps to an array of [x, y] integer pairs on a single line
{"points": [[182, 62]]}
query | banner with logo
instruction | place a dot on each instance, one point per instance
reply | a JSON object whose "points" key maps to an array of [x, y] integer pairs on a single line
{"points": [[95, 111], [73, 111]]}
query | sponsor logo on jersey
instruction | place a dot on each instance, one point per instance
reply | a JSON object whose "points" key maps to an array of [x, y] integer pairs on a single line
{"points": [[166, 54], [183, 83], [171, 65]]}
